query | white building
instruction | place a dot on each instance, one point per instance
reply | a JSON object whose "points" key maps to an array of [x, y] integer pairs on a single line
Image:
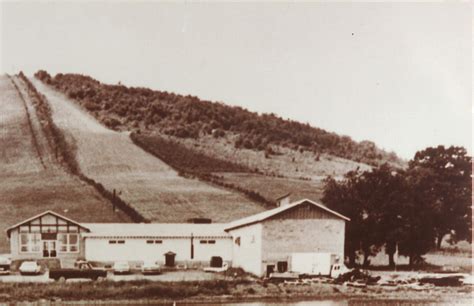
{"points": [[259, 244]]}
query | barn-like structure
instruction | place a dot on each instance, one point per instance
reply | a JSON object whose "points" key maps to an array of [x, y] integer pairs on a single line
{"points": [[260, 244]]}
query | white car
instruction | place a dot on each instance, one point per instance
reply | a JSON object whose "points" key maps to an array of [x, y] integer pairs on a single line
{"points": [[30, 268], [121, 267], [5, 265], [150, 267], [224, 268]]}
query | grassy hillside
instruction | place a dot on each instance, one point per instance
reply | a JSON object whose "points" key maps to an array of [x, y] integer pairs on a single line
{"points": [[126, 108], [261, 156], [144, 182], [32, 181]]}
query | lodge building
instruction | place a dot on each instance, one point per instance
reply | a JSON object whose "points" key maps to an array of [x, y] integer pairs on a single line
{"points": [[259, 244]]}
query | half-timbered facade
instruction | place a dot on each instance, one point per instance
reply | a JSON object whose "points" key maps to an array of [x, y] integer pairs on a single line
{"points": [[47, 235]]}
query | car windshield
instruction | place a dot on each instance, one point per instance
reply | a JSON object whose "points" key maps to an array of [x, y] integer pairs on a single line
{"points": [[29, 264]]}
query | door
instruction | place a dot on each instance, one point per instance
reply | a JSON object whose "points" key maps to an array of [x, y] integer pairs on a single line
{"points": [[270, 270], [49, 248], [169, 259]]}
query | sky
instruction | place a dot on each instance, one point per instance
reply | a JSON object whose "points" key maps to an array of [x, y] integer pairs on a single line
{"points": [[396, 74]]}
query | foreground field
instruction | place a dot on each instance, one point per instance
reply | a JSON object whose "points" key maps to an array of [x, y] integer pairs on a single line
{"points": [[31, 181], [223, 291], [153, 188]]}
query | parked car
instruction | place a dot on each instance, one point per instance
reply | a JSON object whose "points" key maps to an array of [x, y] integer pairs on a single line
{"points": [[30, 268], [5, 265], [150, 267], [84, 270], [224, 268], [121, 267]]}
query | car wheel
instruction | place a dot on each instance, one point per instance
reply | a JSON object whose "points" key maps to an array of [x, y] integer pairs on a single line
{"points": [[62, 279]]}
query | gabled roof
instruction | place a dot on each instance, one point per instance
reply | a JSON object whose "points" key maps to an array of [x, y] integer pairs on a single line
{"points": [[272, 212], [48, 212]]}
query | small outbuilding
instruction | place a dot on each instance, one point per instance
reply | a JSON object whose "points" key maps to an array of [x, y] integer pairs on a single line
{"points": [[264, 243]]}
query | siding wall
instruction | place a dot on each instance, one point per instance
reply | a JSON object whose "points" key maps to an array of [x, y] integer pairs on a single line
{"points": [[136, 249], [248, 255], [303, 229]]}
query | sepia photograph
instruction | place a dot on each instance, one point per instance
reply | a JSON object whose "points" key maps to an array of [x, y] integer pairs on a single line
{"points": [[236, 153]]}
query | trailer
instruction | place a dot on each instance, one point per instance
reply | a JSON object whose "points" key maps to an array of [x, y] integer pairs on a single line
{"points": [[316, 264]]}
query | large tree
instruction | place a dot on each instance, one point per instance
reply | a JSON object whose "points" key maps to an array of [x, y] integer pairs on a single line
{"points": [[444, 185], [371, 199], [342, 197]]}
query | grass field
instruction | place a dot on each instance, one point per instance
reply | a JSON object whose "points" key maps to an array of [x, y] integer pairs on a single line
{"points": [[31, 182], [286, 162], [153, 188], [265, 184], [272, 187]]}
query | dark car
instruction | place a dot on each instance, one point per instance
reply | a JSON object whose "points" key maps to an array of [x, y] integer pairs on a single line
{"points": [[84, 270]]}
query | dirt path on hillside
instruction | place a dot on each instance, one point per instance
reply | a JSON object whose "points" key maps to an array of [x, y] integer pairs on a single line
{"points": [[142, 180], [17, 146], [28, 186]]}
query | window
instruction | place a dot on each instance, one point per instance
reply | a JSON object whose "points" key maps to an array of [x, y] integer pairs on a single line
{"points": [[207, 242], [68, 243], [62, 238], [30, 242], [154, 241], [73, 243], [121, 241], [112, 241]]}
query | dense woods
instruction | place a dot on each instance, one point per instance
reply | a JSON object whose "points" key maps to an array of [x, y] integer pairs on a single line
{"points": [[410, 210], [130, 108]]}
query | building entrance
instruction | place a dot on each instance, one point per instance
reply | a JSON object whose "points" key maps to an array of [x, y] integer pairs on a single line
{"points": [[49, 248]]}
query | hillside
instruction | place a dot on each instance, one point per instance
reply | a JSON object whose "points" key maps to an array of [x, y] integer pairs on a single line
{"points": [[32, 180], [145, 183], [260, 156], [129, 108]]}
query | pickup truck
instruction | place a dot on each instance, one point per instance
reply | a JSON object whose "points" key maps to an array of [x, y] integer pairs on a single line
{"points": [[84, 270]]}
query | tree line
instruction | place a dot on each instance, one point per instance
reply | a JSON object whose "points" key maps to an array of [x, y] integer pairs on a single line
{"points": [[410, 210], [132, 108]]}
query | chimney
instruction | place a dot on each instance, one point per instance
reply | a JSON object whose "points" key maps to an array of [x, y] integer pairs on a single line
{"points": [[283, 200]]}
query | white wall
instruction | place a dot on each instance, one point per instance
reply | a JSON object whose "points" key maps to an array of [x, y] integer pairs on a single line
{"points": [[248, 255], [99, 249], [204, 252]]}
